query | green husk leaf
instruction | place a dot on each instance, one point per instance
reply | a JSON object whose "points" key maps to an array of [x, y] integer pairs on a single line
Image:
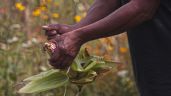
{"points": [[41, 75], [84, 70], [89, 78], [97, 58], [54, 80], [80, 61], [83, 54], [111, 63], [76, 66], [102, 60], [101, 68], [90, 66]]}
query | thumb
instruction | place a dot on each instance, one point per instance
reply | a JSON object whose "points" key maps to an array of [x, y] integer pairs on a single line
{"points": [[45, 27], [51, 27]]}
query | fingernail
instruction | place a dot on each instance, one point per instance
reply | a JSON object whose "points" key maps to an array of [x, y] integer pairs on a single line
{"points": [[44, 26]]}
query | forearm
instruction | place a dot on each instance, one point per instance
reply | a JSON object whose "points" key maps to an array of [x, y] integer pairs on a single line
{"points": [[124, 18], [99, 10]]}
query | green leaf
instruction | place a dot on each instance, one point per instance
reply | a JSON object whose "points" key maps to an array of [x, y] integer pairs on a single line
{"points": [[89, 78], [83, 62], [83, 53], [76, 66], [84, 70], [97, 58], [101, 68], [90, 66], [111, 63], [41, 75], [54, 80], [87, 66], [102, 63]]}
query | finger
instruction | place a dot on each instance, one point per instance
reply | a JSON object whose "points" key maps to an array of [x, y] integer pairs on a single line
{"points": [[50, 32], [51, 37], [45, 27], [67, 62], [55, 56], [56, 64], [62, 61], [53, 63], [51, 27]]}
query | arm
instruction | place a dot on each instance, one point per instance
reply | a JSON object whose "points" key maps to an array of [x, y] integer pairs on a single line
{"points": [[124, 18], [130, 15], [94, 14]]}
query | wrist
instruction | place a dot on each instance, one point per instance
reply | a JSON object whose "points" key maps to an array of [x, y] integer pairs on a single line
{"points": [[78, 36], [77, 26]]}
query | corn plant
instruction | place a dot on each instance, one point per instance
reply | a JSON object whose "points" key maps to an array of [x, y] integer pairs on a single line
{"points": [[84, 70]]}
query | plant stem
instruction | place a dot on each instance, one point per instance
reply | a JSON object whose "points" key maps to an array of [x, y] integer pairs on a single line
{"points": [[65, 90], [68, 70], [79, 90], [77, 94], [66, 84]]}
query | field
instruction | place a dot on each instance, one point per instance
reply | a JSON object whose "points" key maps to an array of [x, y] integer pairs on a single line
{"points": [[21, 41]]}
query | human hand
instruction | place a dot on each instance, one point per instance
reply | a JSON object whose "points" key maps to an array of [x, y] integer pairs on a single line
{"points": [[66, 48], [52, 30]]}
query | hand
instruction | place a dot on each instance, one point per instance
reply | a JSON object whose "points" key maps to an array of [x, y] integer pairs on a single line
{"points": [[53, 30], [67, 47]]}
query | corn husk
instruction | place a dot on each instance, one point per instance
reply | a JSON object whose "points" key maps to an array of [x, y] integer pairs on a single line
{"points": [[84, 70], [50, 80]]}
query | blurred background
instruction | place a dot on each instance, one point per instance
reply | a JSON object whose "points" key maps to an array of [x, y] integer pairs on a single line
{"points": [[21, 40]]}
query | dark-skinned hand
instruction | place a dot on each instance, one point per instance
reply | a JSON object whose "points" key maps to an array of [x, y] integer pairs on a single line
{"points": [[67, 47], [53, 30]]}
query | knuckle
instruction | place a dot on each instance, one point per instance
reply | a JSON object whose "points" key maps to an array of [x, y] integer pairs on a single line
{"points": [[54, 25], [55, 65]]}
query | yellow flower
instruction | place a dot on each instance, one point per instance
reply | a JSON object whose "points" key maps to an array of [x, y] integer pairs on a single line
{"points": [[43, 8], [110, 48], [55, 15], [48, 1], [77, 18], [36, 12], [123, 50], [20, 6]]}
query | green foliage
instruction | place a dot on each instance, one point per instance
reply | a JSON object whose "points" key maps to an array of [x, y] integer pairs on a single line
{"points": [[83, 71], [41, 75], [45, 81]]}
